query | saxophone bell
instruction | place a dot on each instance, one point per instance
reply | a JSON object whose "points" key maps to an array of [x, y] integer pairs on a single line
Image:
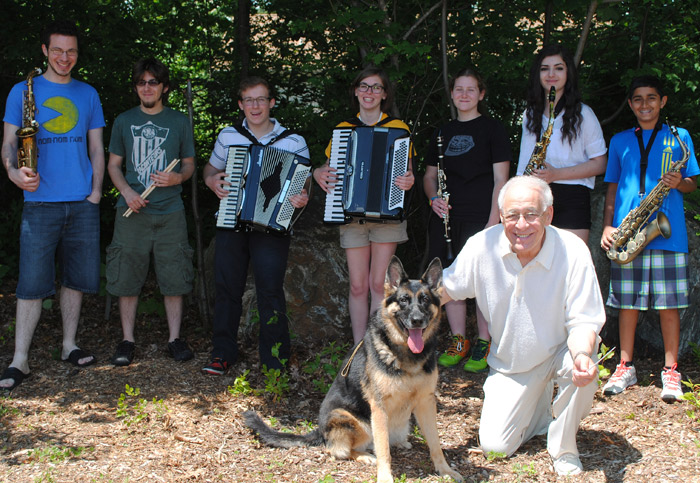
{"points": [[659, 226]]}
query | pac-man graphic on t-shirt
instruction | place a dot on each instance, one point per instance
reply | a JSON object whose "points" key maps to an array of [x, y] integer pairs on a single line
{"points": [[67, 118]]}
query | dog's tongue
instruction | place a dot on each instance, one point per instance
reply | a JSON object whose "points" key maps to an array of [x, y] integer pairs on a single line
{"points": [[415, 340]]}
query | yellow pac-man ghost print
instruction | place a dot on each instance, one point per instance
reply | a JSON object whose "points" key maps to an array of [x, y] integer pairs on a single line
{"points": [[68, 115]]}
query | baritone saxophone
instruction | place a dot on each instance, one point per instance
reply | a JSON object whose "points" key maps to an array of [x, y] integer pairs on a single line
{"points": [[539, 153], [635, 232], [27, 152]]}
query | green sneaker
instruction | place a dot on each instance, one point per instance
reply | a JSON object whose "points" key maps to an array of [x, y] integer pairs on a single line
{"points": [[455, 353], [477, 361]]}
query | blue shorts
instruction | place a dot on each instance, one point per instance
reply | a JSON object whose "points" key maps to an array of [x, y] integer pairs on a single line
{"points": [[138, 237], [63, 232], [656, 279]]}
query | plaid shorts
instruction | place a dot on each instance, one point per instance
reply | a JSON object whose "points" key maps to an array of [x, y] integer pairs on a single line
{"points": [[656, 276]]}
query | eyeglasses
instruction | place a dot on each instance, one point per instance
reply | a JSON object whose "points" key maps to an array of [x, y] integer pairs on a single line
{"points": [[376, 88], [251, 101], [150, 82], [59, 52], [514, 217]]}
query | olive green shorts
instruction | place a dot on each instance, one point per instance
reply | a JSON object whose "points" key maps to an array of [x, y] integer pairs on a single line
{"points": [[138, 237]]}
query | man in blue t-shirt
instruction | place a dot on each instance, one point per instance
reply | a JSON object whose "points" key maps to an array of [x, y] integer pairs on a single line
{"points": [[657, 276], [146, 143], [60, 217]]}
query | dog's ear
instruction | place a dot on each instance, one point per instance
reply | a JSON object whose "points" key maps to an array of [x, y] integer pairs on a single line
{"points": [[395, 274], [433, 275]]}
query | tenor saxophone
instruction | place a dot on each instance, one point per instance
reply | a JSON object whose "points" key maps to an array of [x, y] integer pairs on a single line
{"points": [[443, 193], [540, 152], [635, 232], [28, 151]]}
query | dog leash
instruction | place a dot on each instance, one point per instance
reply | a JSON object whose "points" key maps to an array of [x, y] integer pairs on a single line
{"points": [[346, 369]]}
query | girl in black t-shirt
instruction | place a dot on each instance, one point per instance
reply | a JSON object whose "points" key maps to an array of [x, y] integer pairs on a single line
{"points": [[476, 163]]}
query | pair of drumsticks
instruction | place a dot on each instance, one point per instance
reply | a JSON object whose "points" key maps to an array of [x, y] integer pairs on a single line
{"points": [[152, 186]]}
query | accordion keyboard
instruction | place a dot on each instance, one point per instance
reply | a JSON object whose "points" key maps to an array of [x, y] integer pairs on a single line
{"points": [[230, 206], [334, 212]]}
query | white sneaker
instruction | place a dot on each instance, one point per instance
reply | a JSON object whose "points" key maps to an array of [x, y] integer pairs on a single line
{"points": [[568, 464], [671, 380], [623, 377]]}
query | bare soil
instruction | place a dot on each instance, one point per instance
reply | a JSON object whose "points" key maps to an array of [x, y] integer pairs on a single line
{"points": [[64, 424]]}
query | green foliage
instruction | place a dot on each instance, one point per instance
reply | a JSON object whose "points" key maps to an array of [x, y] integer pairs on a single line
{"points": [[417, 434], [695, 349], [6, 410], [133, 409], [693, 399], [325, 365], [327, 479], [495, 455], [604, 353], [311, 51], [151, 306], [524, 470], [276, 380], [241, 386], [8, 332], [56, 454]]}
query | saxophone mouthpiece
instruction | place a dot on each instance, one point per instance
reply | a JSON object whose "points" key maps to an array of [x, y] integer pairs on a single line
{"points": [[552, 94]]}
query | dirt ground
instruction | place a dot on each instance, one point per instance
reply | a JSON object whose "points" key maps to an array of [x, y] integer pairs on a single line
{"points": [[65, 424]]}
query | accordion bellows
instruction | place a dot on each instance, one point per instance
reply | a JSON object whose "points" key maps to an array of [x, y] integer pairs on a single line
{"points": [[368, 160], [262, 178]]}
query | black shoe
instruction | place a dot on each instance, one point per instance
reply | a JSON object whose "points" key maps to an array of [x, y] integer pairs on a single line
{"points": [[124, 354], [180, 351]]}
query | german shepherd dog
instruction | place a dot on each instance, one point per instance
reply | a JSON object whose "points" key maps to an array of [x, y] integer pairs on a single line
{"points": [[390, 374]]}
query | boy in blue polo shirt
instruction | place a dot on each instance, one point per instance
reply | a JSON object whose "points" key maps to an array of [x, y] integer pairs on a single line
{"points": [[657, 277]]}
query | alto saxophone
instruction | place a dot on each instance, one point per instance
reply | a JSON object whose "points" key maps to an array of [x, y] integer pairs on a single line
{"points": [[445, 196], [28, 151], [635, 232], [540, 152]]}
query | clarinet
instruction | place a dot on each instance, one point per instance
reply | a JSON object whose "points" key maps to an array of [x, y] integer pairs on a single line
{"points": [[445, 196]]}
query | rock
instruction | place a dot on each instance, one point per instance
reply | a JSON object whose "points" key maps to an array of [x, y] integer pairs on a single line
{"points": [[316, 286]]}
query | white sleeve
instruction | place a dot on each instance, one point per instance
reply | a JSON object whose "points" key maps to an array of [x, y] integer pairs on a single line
{"points": [[594, 142]]}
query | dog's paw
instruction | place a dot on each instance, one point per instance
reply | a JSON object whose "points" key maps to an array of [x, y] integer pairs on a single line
{"points": [[366, 458], [404, 445], [452, 474]]}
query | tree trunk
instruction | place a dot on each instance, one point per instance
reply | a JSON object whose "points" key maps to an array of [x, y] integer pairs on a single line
{"points": [[243, 36]]}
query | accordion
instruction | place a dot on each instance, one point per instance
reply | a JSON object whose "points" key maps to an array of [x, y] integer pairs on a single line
{"points": [[368, 160], [262, 178]]}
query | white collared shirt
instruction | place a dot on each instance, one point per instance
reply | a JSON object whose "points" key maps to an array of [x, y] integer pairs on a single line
{"points": [[530, 310]]}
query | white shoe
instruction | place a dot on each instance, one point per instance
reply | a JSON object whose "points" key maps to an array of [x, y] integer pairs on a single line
{"points": [[623, 377], [568, 464], [671, 380]]}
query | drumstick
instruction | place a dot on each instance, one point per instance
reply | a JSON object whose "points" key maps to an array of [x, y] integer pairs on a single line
{"points": [[152, 186]]}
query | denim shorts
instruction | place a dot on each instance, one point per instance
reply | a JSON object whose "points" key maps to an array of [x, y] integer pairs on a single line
{"points": [[135, 239], [64, 232]]}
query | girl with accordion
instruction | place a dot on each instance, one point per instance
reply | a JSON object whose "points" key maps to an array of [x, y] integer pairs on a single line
{"points": [[368, 246]]}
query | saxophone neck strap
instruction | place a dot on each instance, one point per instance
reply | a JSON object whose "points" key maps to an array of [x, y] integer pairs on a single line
{"points": [[644, 154]]}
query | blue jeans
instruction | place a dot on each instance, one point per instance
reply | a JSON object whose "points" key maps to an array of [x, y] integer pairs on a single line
{"points": [[67, 232], [267, 254]]}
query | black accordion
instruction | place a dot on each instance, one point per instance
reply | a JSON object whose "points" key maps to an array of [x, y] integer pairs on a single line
{"points": [[368, 160], [262, 178]]}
